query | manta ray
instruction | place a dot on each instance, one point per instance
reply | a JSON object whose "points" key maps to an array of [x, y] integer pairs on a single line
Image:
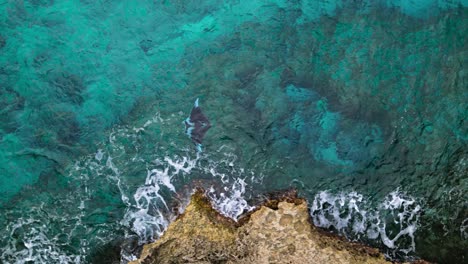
{"points": [[196, 125]]}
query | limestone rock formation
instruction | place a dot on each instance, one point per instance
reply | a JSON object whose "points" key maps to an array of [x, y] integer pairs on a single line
{"points": [[278, 232]]}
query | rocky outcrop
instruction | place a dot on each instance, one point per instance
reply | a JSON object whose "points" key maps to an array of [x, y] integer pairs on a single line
{"points": [[277, 232]]}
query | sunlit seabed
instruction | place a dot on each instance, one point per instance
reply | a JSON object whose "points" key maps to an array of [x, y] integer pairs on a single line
{"points": [[361, 107]]}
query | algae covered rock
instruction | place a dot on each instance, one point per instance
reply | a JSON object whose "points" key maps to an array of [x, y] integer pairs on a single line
{"points": [[277, 232]]}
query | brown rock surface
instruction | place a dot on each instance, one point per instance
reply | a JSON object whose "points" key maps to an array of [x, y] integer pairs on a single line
{"points": [[278, 232]]}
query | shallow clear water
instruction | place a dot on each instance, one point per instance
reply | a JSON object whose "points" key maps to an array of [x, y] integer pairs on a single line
{"points": [[361, 107]]}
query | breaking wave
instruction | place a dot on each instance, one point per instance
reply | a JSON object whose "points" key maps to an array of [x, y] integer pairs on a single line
{"points": [[141, 207], [37, 245], [393, 222], [151, 212]]}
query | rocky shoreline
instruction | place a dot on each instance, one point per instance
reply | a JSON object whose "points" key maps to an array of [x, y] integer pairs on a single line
{"points": [[278, 231]]}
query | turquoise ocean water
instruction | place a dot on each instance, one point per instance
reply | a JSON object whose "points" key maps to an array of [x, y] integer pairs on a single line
{"points": [[359, 105]]}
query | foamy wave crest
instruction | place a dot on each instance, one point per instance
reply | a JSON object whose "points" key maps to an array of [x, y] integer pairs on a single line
{"points": [[231, 202], [150, 210], [54, 232], [341, 211], [149, 214], [30, 242], [231, 199], [394, 221]]}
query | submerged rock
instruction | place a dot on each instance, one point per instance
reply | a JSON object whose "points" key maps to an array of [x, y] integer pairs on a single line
{"points": [[279, 231]]}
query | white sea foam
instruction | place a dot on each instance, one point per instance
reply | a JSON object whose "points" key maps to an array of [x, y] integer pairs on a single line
{"points": [[351, 215], [34, 246], [148, 207], [44, 233], [231, 202], [149, 212], [47, 233], [405, 212]]}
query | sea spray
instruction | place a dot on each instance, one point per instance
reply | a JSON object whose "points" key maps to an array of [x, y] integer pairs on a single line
{"points": [[30, 242], [150, 212], [231, 202], [393, 222], [81, 216], [147, 199]]}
